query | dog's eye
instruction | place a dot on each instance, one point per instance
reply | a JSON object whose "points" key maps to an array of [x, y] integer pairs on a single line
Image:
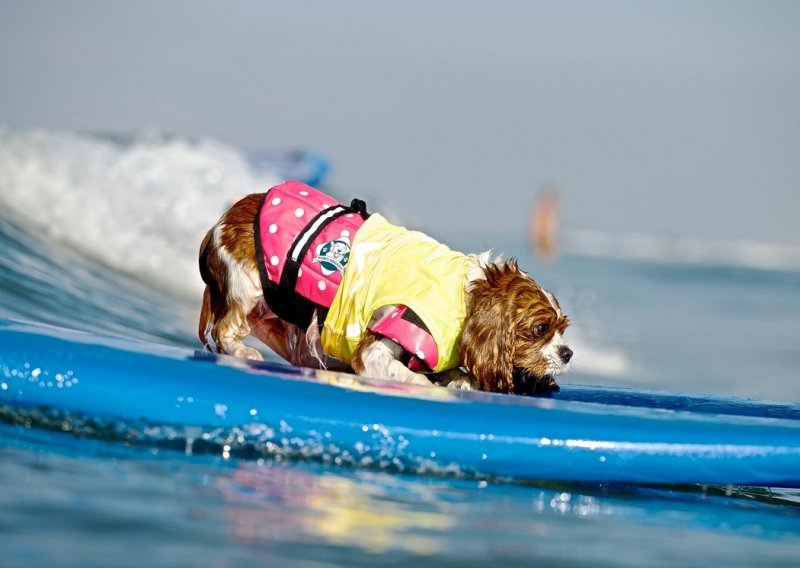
{"points": [[540, 330]]}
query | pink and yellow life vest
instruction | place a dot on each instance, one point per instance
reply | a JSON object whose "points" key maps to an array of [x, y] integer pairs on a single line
{"points": [[318, 256]]}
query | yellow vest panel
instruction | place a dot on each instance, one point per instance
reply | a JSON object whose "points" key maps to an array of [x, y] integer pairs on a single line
{"points": [[391, 265]]}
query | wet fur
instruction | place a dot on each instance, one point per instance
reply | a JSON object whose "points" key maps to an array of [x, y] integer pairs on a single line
{"points": [[502, 310]]}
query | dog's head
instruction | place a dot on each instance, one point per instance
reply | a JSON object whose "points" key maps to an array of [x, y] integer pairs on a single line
{"points": [[512, 340]]}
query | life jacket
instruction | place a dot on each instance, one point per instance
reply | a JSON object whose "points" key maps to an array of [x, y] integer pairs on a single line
{"points": [[303, 239], [318, 257]]}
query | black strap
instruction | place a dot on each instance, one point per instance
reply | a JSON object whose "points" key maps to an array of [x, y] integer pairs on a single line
{"points": [[405, 358], [411, 316], [358, 206]]}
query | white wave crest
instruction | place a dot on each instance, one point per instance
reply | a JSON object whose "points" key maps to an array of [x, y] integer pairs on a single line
{"points": [[684, 250], [141, 207]]}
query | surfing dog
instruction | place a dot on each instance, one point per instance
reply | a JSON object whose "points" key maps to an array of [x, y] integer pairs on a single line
{"points": [[328, 285]]}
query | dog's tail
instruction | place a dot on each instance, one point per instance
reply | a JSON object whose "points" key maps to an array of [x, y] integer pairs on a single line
{"points": [[205, 319]]}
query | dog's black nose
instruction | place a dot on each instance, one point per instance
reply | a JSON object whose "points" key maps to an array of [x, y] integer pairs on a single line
{"points": [[565, 353]]}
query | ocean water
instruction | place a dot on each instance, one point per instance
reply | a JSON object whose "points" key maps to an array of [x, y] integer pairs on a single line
{"points": [[101, 234]]}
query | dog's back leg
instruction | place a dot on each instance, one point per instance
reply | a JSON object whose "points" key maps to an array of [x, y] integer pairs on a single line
{"points": [[228, 267], [229, 332], [240, 295]]}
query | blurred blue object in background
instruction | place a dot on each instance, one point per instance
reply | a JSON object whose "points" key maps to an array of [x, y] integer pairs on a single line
{"points": [[307, 166]]}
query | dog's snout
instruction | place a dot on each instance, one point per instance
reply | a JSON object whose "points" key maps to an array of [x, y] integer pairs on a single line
{"points": [[565, 353]]}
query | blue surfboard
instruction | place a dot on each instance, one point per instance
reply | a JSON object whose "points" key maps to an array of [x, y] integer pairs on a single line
{"points": [[193, 401]]}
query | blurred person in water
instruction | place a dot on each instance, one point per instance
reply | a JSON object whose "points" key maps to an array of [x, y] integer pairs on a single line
{"points": [[543, 223]]}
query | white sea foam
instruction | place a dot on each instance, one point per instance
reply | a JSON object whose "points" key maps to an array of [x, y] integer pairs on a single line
{"points": [[684, 250], [605, 362], [140, 207], [593, 359]]}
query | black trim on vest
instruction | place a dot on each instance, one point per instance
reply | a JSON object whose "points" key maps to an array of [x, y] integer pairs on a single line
{"points": [[281, 297], [411, 317], [405, 358]]}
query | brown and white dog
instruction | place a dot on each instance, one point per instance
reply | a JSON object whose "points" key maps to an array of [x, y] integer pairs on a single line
{"points": [[508, 338]]}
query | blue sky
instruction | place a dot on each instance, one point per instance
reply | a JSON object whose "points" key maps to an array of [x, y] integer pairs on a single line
{"points": [[678, 118]]}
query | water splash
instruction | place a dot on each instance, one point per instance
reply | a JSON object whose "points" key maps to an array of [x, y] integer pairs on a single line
{"points": [[140, 207], [379, 449]]}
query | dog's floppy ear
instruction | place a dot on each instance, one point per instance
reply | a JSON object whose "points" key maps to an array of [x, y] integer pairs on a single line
{"points": [[487, 340]]}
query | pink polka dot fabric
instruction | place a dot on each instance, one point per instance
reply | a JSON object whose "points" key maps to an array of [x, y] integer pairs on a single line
{"points": [[287, 210]]}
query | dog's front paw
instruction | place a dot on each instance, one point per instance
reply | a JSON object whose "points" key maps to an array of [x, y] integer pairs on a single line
{"points": [[248, 353], [414, 379], [462, 384], [455, 379]]}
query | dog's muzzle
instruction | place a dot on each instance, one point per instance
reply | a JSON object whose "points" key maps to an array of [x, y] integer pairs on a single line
{"points": [[528, 385]]}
